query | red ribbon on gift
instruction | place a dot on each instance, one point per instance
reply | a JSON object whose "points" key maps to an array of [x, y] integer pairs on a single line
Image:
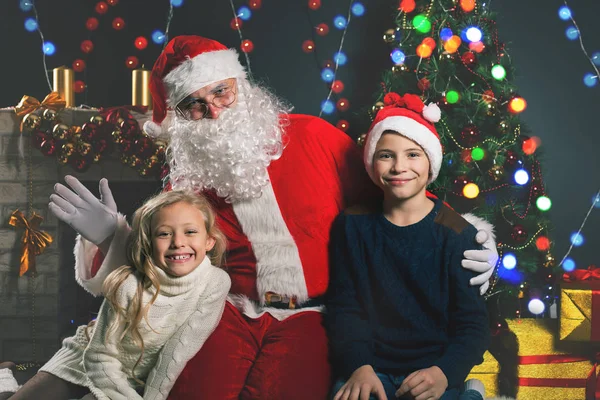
{"points": [[591, 383], [592, 273], [589, 274]]}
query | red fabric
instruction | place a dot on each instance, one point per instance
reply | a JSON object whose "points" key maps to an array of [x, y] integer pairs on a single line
{"points": [[259, 358], [96, 263]]}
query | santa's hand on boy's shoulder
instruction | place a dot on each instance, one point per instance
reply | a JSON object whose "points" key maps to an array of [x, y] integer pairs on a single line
{"points": [[94, 219], [482, 261], [428, 383], [363, 383]]}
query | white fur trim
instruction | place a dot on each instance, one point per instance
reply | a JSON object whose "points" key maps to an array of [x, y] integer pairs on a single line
{"points": [[8, 383], [254, 310], [411, 129], [432, 112], [152, 129], [85, 251], [204, 69], [482, 225], [278, 265]]}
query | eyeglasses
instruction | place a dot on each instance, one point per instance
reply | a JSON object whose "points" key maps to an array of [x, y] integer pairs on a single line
{"points": [[193, 109]]}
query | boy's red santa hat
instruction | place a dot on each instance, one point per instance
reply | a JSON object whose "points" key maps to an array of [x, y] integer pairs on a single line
{"points": [[186, 64], [408, 116]]}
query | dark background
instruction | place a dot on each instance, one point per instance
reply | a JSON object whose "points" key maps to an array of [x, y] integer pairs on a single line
{"points": [[561, 110]]}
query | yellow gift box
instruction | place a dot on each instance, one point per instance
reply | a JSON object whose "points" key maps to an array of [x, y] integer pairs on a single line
{"points": [[578, 302], [546, 371], [487, 373]]}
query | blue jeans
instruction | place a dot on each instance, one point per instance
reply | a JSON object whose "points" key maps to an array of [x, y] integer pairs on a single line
{"points": [[391, 383]]}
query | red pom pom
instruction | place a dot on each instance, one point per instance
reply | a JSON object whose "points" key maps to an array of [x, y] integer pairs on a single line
{"points": [[414, 102], [392, 99]]}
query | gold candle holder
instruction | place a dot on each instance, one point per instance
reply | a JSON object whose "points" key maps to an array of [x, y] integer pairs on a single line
{"points": [[63, 84], [140, 88]]}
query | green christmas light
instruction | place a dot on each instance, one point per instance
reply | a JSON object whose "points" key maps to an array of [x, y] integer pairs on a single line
{"points": [[543, 203], [452, 97], [498, 72], [421, 23], [477, 154]]}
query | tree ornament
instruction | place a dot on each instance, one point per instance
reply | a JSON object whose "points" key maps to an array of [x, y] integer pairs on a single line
{"points": [[503, 127], [89, 131], [151, 162], [536, 190], [549, 260], [49, 115], [400, 69], [496, 173], [48, 147], [60, 132], [117, 136], [466, 156], [469, 59], [423, 84], [519, 234], [31, 121], [79, 162], [389, 36], [83, 148], [143, 147], [38, 137], [96, 158], [470, 135], [135, 161], [360, 141], [62, 159], [99, 146], [67, 149], [378, 106], [488, 96], [491, 110]]}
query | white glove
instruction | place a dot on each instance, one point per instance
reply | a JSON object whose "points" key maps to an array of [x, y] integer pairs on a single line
{"points": [[482, 261], [94, 219]]}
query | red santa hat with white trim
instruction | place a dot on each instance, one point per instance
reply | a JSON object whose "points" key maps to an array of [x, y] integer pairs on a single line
{"points": [[408, 116], [186, 64]]}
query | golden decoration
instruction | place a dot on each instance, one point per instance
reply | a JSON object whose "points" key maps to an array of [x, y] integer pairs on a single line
{"points": [[29, 104], [34, 240]]}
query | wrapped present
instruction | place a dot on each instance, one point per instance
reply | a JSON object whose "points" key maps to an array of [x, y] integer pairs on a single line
{"points": [[548, 370], [487, 373], [579, 301]]}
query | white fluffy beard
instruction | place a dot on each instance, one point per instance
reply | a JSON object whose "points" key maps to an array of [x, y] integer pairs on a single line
{"points": [[231, 153]]}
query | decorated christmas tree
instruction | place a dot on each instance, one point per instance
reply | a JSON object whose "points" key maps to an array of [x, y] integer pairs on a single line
{"points": [[449, 52]]}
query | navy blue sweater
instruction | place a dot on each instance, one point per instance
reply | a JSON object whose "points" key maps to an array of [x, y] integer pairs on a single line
{"points": [[399, 299]]}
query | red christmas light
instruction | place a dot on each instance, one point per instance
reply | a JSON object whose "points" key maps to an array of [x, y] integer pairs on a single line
{"points": [[322, 29], [78, 65], [247, 46], [141, 43], [255, 4], [87, 46], [236, 23], [131, 62], [91, 24], [118, 23], [542, 243], [407, 6], [343, 104], [308, 46], [78, 86], [337, 86], [314, 4], [342, 125], [112, 2], [101, 7]]}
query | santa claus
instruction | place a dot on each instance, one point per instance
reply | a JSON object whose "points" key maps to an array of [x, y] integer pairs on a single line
{"points": [[276, 181]]}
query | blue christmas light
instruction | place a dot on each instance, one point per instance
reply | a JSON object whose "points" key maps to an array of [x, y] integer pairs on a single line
{"points": [[445, 34], [398, 56], [327, 75], [590, 80], [473, 34], [577, 239], [596, 201], [48, 48], [244, 13], [327, 106], [572, 33], [568, 265], [358, 9], [31, 24], [340, 58], [158, 37], [513, 276], [177, 3], [340, 21], [596, 58], [564, 13], [521, 177], [509, 261], [25, 5]]}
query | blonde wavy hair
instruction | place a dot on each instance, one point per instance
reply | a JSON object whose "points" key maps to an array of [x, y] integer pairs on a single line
{"points": [[142, 265]]}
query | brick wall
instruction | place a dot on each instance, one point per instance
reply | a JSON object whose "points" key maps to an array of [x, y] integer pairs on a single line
{"points": [[17, 327]]}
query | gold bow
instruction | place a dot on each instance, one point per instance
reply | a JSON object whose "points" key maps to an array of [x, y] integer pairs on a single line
{"points": [[29, 104], [34, 240]]}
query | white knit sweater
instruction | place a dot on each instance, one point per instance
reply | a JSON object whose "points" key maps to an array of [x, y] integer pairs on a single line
{"points": [[186, 311]]}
